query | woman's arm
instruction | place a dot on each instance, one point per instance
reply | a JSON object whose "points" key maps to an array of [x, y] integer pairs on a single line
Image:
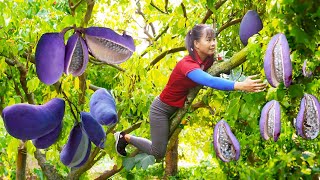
{"points": [[201, 77]]}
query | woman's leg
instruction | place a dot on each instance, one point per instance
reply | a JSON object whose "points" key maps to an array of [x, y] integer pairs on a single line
{"points": [[160, 114]]}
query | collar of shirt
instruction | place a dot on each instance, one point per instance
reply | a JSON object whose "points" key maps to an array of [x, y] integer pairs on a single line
{"points": [[198, 59]]}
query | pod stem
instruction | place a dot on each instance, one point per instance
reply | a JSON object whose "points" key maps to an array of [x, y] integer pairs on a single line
{"points": [[66, 29]]}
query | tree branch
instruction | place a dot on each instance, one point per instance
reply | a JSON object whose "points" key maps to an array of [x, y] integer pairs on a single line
{"points": [[90, 5], [92, 60], [184, 11], [49, 171], [23, 75], [209, 12], [157, 8], [162, 55], [139, 11], [228, 24]]}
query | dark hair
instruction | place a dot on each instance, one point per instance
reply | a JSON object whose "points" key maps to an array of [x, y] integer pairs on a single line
{"points": [[195, 34]]}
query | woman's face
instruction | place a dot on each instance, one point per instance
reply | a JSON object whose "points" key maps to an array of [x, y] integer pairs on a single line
{"points": [[206, 45]]}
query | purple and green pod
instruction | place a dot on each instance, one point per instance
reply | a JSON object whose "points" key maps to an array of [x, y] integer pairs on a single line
{"points": [[76, 57], [47, 140], [308, 118], [26, 121], [49, 57], [226, 145], [305, 72], [77, 150], [103, 107], [277, 62], [270, 125], [108, 46], [93, 129], [250, 24]]}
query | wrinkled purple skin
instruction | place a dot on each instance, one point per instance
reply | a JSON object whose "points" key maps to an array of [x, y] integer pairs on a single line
{"points": [[47, 140], [286, 63], [264, 118], [103, 53], [70, 47], [26, 121], [103, 107], [78, 144], [304, 70], [250, 24], [300, 116], [232, 137], [93, 129], [49, 57]]}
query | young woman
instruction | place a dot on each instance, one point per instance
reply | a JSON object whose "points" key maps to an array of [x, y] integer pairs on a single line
{"points": [[187, 74]]}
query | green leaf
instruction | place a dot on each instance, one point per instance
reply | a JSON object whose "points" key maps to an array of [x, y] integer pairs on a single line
{"points": [[296, 90], [144, 160], [33, 84], [129, 163]]}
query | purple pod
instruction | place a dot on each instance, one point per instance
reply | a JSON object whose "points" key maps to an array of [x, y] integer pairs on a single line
{"points": [[304, 70], [270, 125], [226, 145], [26, 121], [108, 46], [77, 150], [250, 24], [49, 57], [93, 129], [277, 62], [76, 57], [103, 107], [47, 140], [308, 118]]}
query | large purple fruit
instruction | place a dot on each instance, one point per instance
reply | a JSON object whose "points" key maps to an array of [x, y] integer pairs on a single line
{"points": [[226, 145], [26, 121], [77, 150], [108, 46], [308, 119], [93, 129], [277, 62], [103, 107], [76, 58], [49, 57], [47, 140], [250, 24], [270, 125]]}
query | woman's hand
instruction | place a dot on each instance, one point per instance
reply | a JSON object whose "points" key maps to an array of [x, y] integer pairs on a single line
{"points": [[250, 85]]}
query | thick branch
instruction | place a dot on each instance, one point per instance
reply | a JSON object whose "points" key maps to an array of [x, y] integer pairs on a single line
{"points": [[184, 11], [162, 55], [21, 161], [209, 12], [228, 24], [49, 170], [90, 5], [23, 75]]}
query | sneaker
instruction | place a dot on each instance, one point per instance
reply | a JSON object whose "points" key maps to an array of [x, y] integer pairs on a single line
{"points": [[121, 143]]}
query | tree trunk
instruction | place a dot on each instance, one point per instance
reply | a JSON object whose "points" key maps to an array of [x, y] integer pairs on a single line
{"points": [[171, 160], [21, 162]]}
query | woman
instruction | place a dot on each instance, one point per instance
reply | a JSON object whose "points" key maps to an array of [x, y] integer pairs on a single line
{"points": [[187, 74]]}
